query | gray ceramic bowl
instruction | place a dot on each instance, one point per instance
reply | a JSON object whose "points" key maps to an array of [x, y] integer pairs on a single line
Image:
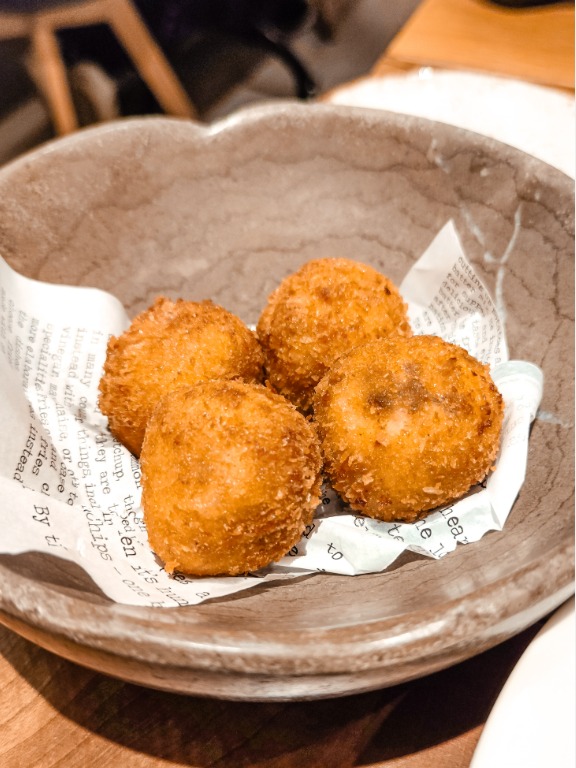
{"points": [[164, 206]]}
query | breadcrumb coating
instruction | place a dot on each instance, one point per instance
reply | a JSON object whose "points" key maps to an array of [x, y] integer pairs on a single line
{"points": [[230, 478], [320, 312], [407, 425], [171, 344]]}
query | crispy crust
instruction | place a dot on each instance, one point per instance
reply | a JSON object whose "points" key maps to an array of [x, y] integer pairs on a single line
{"points": [[171, 344], [230, 478], [406, 425], [317, 314]]}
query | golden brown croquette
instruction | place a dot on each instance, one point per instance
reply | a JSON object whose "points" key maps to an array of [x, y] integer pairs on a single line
{"points": [[319, 312], [169, 345], [406, 425], [230, 478]]}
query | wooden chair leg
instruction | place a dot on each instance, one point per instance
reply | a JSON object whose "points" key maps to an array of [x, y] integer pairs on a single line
{"points": [[49, 73], [149, 59]]}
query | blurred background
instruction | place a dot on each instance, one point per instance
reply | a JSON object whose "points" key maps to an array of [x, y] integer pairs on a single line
{"points": [[224, 53]]}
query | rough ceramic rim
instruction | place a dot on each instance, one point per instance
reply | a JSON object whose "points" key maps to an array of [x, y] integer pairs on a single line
{"points": [[379, 644]]}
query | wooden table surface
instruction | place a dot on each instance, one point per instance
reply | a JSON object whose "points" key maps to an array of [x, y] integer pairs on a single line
{"points": [[534, 44], [54, 713]]}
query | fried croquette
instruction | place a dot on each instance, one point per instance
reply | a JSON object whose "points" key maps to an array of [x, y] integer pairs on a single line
{"points": [[230, 478], [319, 312], [407, 425], [171, 344]]}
